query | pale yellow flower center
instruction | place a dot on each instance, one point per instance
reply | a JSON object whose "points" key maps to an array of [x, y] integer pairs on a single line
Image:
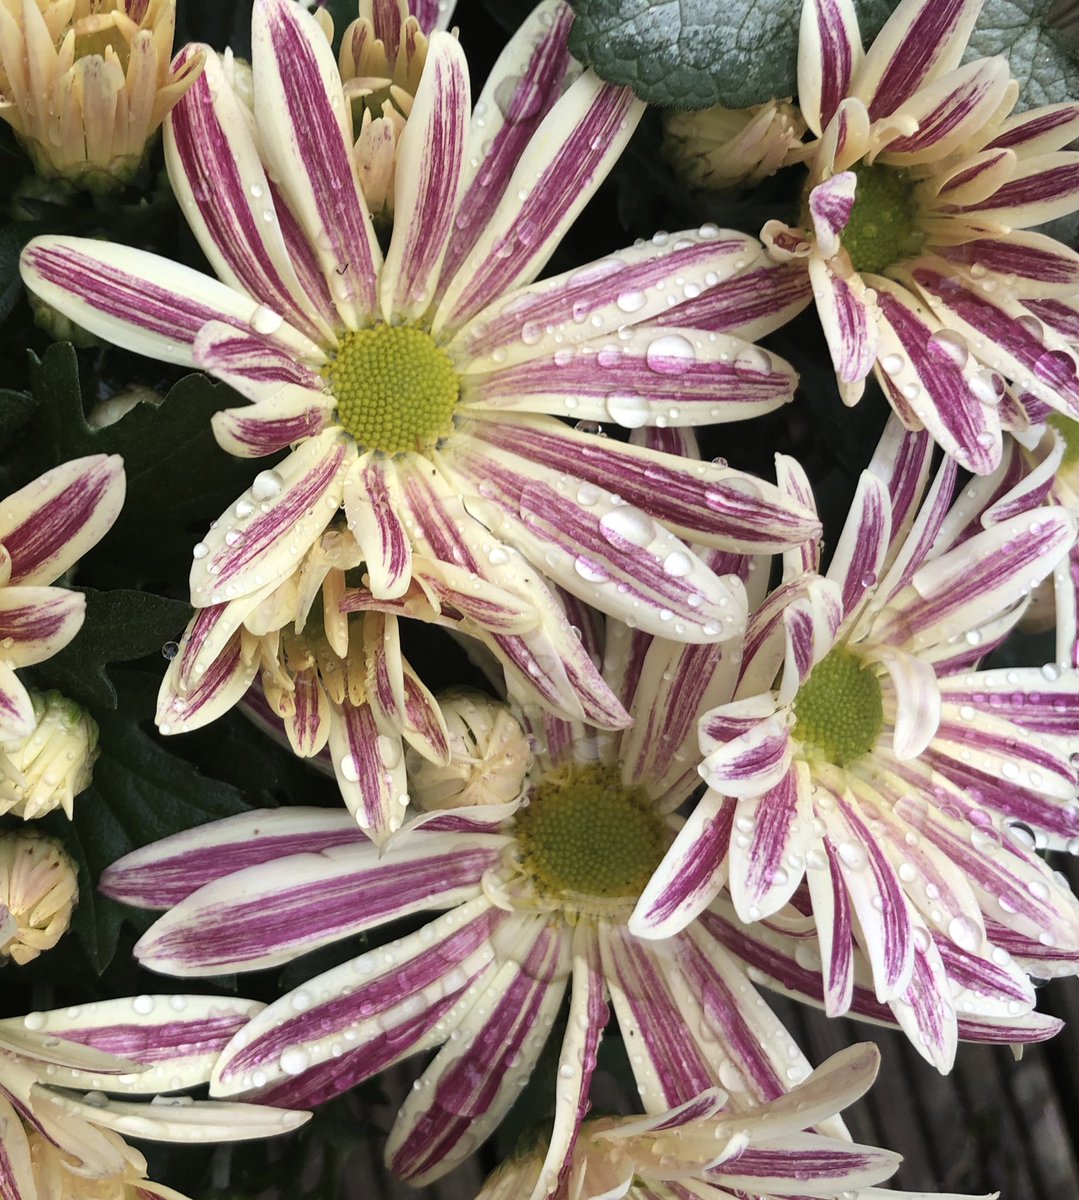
{"points": [[882, 228], [584, 833], [838, 711], [396, 390]]}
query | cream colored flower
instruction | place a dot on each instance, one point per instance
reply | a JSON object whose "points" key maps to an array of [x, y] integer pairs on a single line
{"points": [[719, 147], [58, 1175], [38, 889], [86, 83], [382, 57], [489, 756], [48, 768]]}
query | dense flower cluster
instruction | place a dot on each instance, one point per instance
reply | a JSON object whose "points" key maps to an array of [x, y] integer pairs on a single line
{"points": [[720, 747]]}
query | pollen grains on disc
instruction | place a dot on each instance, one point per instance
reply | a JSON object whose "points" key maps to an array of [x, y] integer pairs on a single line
{"points": [[882, 229], [585, 833], [396, 390], [839, 711]]}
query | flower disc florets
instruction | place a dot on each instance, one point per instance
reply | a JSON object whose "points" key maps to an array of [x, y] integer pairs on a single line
{"points": [[882, 227], [839, 711], [585, 833], [395, 389]]}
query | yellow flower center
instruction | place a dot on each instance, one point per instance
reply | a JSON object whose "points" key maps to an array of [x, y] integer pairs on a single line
{"points": [[584, 833], [838, 710], [395, 389], [881, 229], [1069, 431]]}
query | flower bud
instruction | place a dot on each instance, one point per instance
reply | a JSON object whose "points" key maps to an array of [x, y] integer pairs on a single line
{"points": [[720, 148], [489, 756], [38, 890], [86, 83], [49, 768]]}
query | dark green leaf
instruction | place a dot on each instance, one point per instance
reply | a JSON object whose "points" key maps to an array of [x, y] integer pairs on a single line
{"points": [[140, 793], [687, 54], [119, 626], [1039, 54], [178, 478]]}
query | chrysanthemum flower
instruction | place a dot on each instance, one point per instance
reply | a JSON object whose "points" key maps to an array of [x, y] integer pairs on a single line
{"points": [[704, 1151], [86, 83], [867, 770], [38, 891], [45, 528], [536, 899], [920, 187], [718, 148], [382, 57], [417, 391], [50, 767], [332, 679], [53, 1178], [57, 1068]]}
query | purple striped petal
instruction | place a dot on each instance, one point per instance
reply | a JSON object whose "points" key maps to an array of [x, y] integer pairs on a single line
{"points": [[164, 873], [919, 43], [36, 622], [255, 366], [1038, 190], [299, 110], [373, 502], [834, 926], [1039, 130], [48, 525], [524, 84], [829, 54], [1048, 264], [1041, 700], [950, 111], [751, 305], [651, 376], [860, 553], [281, 515], [974, 179], [572, 150], [692, 871], [266, 915], [291, 415], [702, 502], [602, 549], [308, 724], [428, 178], [772, 834], [596, 301], [142, 302], [849, 322], [360, 1017], [227, 677], [830, 205], [474, 1079], [752, 763], [810, 623], [370, 771], [215, 169], [807, 1165], [931, 367]]}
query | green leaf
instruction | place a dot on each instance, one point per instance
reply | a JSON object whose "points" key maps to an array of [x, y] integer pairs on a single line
{"points": [[1042, 57], [119, 626], [140, 793], [686, 54], [178, 478]]}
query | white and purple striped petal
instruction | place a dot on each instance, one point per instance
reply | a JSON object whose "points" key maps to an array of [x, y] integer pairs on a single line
{"points": [[829, 56]]}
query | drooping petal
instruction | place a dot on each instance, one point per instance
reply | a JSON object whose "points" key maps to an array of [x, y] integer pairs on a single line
{"points": [[751, 763], [830, 206], [285, 511], [48, 525], [256, 367], [370, 772], [36, 622], [373, 502], [849, 321]]}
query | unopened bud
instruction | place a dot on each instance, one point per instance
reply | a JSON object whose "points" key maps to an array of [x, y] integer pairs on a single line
{"points": [[489, 756], [49, 768], [38, 892], [719, 148]]}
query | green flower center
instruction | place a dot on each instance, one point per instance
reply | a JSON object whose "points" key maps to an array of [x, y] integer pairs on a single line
{"points": [[395, 389], [881, 229], [584, 833], [838, 710], [1069, 431]]}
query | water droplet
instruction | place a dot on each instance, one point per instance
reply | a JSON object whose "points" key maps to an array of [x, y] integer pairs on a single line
{"points": [[631, 302], [169, 650], [349, 769], [265, 321], [200, 550], [628, 524], [628, 410], [143, 1005], [294, 1060], [672, 354], [753, 361], [267, 484], [948, 347], [893, 363]]}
